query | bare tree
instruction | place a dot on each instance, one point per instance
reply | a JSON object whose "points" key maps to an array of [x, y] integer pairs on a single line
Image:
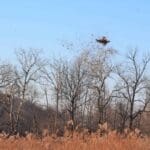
{"points": [[52, 81], [72, 87], [6, 75], [30, 64], [8, 89], [99, 72], [132, 85]]}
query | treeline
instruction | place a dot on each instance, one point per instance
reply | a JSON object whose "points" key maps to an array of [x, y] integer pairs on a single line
{"points": [[90, 89]]}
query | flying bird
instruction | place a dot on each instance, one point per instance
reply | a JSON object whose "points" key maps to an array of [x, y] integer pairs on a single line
{"points": [[104, 41]]}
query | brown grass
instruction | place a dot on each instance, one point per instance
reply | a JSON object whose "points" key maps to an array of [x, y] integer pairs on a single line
{"points": [[82, 141]]}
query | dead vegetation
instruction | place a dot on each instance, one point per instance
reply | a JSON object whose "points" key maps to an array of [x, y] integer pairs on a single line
{"points": [[103, 139]]}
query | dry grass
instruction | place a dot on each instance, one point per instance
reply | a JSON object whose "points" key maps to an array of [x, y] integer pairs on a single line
{"points": [[82, 141]]}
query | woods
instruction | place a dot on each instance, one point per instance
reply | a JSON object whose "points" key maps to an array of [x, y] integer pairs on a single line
{"points": [[38, 93]]}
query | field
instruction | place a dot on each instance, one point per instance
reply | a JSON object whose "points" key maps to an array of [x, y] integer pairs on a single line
{"points": [[111, 141]]}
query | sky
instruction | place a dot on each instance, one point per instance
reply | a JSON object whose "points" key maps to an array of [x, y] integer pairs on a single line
{"points": [[48, 25]]}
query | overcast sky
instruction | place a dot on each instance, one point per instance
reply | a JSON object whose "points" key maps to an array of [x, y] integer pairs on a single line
{"points": [[47, 24]]}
